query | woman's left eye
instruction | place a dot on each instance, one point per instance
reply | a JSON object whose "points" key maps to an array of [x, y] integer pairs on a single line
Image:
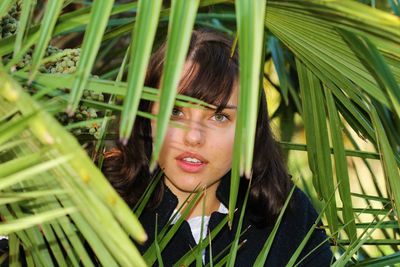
{"points": [[220, 117]]}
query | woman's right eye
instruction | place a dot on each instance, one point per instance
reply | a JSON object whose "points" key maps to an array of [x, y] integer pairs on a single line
{"points": [[176, 112]]}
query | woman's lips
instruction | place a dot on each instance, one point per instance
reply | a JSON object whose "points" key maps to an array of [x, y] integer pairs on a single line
{"points": [[190, 167], [191, 162]]}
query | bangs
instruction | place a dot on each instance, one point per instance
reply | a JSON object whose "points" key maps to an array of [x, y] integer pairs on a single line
{"points": [[210, 75], [210, 72]]}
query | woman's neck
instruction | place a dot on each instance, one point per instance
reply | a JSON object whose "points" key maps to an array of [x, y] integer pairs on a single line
{"points": [[205, 205]]}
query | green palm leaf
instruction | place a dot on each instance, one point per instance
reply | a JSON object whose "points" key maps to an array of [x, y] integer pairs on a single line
{"points": [[181, 23], [250, 49], [143, 37], [98, 209], [91, 44], [314, 117], [53, 9]]}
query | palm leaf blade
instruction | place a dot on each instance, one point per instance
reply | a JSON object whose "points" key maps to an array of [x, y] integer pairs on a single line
{"points": [[143, 37]]}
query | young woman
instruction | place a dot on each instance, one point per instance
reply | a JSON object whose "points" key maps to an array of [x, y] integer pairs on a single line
{"points": [[198, 156]]}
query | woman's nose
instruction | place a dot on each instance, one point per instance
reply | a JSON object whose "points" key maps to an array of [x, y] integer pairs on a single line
{"points": [[194, 135]]}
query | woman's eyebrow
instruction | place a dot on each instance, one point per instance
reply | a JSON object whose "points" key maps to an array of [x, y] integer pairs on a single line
{"points": [[226, 107], [230, 107]]}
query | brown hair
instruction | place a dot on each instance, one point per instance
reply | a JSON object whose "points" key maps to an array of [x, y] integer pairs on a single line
{"points": [[211, 78]]}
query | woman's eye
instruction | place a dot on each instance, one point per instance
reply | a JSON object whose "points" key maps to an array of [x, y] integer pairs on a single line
{"points": [[176, 112], [220, 117]]}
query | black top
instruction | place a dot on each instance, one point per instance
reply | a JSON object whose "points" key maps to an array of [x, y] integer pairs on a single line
{"points": [[295, 224]]}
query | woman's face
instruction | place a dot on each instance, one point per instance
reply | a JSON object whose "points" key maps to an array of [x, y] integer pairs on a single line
{"points": [[199, 153]]}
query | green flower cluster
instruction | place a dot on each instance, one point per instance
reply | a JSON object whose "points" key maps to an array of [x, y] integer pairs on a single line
{"points": [[9, 23]]}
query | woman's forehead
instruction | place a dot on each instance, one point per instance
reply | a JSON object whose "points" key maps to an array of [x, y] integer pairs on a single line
{"points": [[213, 86]]}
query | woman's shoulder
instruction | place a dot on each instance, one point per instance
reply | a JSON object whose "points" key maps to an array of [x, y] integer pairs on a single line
{"points": [[300, 216], [301, 204], [300, 219]]}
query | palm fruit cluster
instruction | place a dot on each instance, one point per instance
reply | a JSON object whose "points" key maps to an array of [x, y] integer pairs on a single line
{"points": [[63, 61], [9, 23], [26, 60], [67, 64], [83, 113]]}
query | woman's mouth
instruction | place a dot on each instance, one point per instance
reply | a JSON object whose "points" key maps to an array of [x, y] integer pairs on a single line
{"points": [[191, 162]]}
